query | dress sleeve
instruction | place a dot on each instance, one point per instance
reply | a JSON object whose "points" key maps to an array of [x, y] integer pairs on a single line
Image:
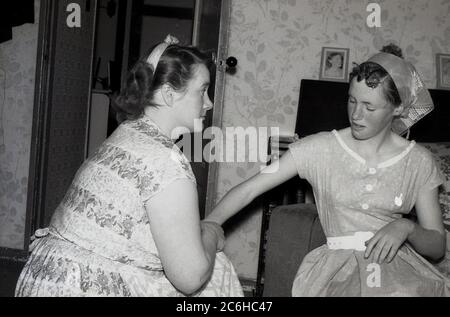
{"points": [[163, 170], [306, 154], [432, 175]]}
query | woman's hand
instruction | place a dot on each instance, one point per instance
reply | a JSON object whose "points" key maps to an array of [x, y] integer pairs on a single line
{"points": [[215, 229], [388, 240]]}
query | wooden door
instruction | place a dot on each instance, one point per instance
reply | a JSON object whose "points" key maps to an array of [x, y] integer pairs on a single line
{"points": [[60, 119]]}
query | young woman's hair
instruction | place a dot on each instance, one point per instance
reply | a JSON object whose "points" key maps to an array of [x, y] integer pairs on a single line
{"points": [[175, 68], [375, 75]]}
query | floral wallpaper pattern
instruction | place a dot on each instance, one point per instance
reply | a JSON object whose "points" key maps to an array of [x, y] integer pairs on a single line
{"points": [[279, 42], [17, 75]]}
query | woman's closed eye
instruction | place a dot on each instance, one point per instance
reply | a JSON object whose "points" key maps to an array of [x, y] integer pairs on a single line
{"points": [[204, 91], [370, 107]]}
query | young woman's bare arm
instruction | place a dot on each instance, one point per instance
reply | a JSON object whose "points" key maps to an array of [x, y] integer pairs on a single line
{"points": [[244, 193], [427, 236]]}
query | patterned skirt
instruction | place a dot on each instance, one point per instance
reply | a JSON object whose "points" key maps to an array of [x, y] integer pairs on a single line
{"points": [[58, 268]]}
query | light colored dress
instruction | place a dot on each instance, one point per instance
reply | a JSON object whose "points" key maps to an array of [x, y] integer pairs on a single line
{"points": [[351, 197], [99, 242]]}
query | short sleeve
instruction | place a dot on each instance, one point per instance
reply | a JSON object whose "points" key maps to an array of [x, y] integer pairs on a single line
{"points": [[307, 154], [432, 176], [162, 170]]}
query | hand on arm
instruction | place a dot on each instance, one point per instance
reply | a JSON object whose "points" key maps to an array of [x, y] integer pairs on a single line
{"points": [[210, 228], [243, 194], [427, 237]]}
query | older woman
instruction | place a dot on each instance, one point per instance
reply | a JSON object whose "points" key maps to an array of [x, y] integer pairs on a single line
{"points": [[129, 224]]}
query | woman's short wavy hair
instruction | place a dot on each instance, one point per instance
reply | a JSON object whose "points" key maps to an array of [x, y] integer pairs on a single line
{"points": [[375, 75], [175, 68]]}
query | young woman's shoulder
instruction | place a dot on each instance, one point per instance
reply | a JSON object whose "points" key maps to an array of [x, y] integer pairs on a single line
{"points": [[318, 142], [318, 137], [423, 152]]}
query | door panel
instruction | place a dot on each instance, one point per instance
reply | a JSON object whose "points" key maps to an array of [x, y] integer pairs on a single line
{"points": [[61, 120]]}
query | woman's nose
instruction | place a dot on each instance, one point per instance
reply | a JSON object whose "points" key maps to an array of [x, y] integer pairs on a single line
{"points": [[357, 113], [207, 105]]}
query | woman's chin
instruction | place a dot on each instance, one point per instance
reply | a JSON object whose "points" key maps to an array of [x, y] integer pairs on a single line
{"points": [[359, 134]]}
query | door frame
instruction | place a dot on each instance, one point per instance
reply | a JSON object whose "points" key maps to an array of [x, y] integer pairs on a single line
{"points": [[219, 94], [41, 124]]}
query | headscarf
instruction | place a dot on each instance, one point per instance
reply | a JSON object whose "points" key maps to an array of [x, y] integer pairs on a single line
{"points": [[415, 97]]}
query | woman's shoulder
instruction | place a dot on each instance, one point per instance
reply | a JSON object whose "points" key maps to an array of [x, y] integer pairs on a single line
{"points": [[422, 152], [313, 142], [324, 136]]}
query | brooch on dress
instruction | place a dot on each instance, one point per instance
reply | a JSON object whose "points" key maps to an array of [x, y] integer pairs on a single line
{"points": [[399, 200]]}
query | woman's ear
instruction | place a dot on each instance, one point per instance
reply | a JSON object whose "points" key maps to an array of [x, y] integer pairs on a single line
{"points": [[398, 111], [168, 94]]}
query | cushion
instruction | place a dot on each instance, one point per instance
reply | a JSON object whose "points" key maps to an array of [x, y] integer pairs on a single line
{"points": [[441, 152]]}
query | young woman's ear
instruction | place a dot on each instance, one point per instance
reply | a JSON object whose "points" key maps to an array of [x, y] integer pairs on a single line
{"points": [[398, 111], [168, 94]]}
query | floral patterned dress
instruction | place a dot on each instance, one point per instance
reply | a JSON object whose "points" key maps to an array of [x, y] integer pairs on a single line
{"points": [[99, 242], [353, 196]]}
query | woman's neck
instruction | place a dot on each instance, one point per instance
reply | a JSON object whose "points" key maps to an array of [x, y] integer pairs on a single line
{"points": [[376, 144], [164, 120], [384, 145]]}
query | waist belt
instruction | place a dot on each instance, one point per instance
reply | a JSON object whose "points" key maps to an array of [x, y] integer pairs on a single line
{"points": [[354, 242]]}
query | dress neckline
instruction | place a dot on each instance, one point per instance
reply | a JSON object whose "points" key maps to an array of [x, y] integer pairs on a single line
{"points": [[359, 158], [145, 118]]}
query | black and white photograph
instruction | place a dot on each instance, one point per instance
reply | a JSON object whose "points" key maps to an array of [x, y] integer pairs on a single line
{"points": [[232, 155], [443, 71], [334, 64]]}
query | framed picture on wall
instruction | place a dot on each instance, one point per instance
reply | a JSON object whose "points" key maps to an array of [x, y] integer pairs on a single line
{"points": [[334, 64], [443, 71]]}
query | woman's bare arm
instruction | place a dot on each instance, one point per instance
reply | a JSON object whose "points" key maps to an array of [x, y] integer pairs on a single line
{"points": [[187, 253], [428, 236], [244, 193]]}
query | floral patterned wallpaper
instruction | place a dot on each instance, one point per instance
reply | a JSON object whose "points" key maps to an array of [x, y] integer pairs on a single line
{"points": [[278, 43], [17, 75]]}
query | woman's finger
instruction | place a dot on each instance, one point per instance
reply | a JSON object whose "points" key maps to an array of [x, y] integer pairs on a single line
{"points": [[370, 244], [377, 251], [384, 253], [393, 253]]}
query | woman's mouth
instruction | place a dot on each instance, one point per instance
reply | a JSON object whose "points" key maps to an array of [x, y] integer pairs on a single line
{"points": [[357, 126]]}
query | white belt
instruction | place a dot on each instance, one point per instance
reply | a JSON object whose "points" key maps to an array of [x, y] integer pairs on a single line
{"points": [[354, 242]]}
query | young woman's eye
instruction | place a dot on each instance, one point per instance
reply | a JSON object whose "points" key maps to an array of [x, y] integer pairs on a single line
{"points": [[351, 101], [370, 109]]}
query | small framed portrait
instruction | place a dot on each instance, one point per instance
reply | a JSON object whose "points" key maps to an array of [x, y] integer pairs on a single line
{"points": [[334, 64], [443, 71]]}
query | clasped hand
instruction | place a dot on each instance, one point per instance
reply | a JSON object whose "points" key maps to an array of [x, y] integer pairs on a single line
{"points": [[387, 241], [215, 229]]}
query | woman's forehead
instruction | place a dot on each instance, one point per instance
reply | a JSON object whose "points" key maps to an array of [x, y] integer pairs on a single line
{"points": [[201, 76], [360, 90]]}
